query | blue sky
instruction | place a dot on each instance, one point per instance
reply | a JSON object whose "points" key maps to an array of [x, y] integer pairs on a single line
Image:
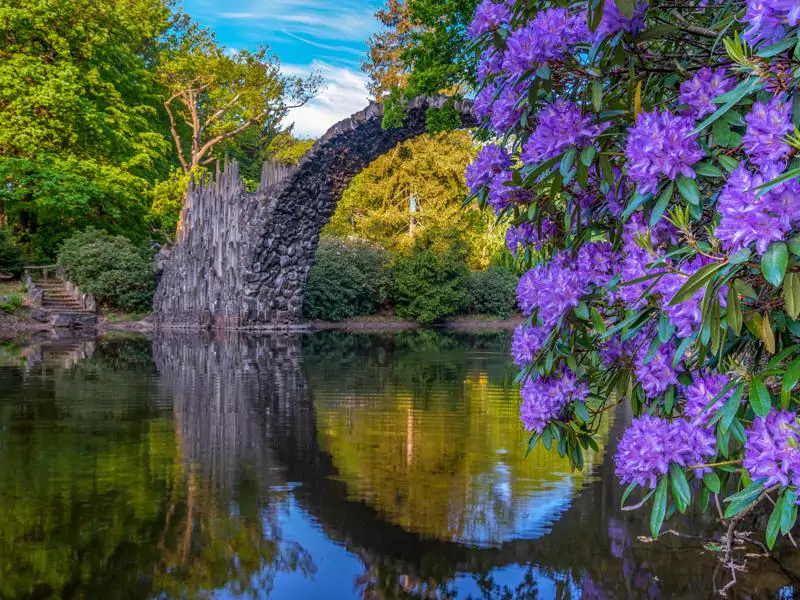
{"points": [[324, 35]]}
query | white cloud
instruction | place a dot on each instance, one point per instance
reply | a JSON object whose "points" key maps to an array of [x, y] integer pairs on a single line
{"points": [[345, 93]]}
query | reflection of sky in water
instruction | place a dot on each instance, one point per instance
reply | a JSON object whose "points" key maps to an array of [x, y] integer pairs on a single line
{"points": [[339, 571]]}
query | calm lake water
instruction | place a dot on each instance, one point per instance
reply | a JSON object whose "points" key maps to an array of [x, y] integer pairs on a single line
{"points": [[328, 465]]}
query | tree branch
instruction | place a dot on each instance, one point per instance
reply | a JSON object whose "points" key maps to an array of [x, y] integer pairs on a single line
{"points": [[174, 131]]}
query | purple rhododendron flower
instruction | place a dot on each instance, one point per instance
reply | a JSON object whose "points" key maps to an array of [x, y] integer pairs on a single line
{"points": [[635, 260], [552, 288], [747, 218], [615, 352], [772, 450], [699, 91], [505, 112], [596, 263], [527, 234], [614, 21], [657, 374], [559, 126], [490, 161], [651, 444], [527, 342], [549, 36], [544, 399], [701, 392], [767, 124], [661, 144], [502, 195], [489, 16], [484, 100], [766, 20], [490, 63]]}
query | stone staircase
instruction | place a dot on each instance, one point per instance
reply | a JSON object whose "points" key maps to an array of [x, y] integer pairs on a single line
{"points": [[61, 308]]}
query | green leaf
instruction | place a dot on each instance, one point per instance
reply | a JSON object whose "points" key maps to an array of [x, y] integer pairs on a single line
{"points": [[734, 310], [659, 507], [774, 523], [587, 155], [597, 94], [775, 49], [774, 263], [791, 295], [788, 510], [740, 256], [567, 161], [581, 411], [695, 282], [728, 163], [708, 170], [747, 495], [744, 288], [625, 7], [688, 189], [794, 245], [760, 400], [637, 200], [711, 481], [790, 174], [680, 487], [665, 329], [791, 377], [661, 205], [721, 131], [632, 486], [597, 321]]}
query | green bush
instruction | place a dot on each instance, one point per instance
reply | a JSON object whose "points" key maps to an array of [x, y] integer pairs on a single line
{"points": [[10, 304], [11, 261], [111, 268], [492, 292], [350, 278], [430, 282]]}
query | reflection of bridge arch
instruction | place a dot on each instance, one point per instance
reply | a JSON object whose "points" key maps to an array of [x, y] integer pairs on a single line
{"points": [[243, 259], [247, 398]]}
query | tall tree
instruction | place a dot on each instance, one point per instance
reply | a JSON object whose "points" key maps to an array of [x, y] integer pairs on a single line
{"points": [[215, 94], [80, 137], [384, 63]]}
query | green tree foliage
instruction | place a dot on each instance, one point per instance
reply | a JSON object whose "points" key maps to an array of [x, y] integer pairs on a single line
{"points": [[11, 262], [111, 268], [350, 278], [430, 282], [430, 171], [252, 148], [492, 292], [214, 94], [80, 136]]}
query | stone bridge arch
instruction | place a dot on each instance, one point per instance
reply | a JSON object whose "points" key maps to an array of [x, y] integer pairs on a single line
{"points": [[242, 260]]}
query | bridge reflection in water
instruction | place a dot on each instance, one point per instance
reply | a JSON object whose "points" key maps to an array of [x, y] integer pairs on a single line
{"points": [[312, 466]]}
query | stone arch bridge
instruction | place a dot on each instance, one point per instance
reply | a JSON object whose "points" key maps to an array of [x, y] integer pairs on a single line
{"points": [[242, 260]]}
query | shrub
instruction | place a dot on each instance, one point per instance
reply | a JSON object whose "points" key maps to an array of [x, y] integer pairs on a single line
{"points": [[661, 239], [492, 292], [111, 268], [350, 278], [10, 255], [10, 304], [430, 282]]}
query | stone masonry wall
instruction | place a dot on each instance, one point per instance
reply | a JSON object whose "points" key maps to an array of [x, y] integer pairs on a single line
{"points": [[243, 259]]}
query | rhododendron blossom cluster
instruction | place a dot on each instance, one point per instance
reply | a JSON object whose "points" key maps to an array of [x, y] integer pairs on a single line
{"points": [[650, 175]]}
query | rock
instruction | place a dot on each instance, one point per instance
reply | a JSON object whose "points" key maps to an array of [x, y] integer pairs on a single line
{"points": [[72, 320], [37, 314]]}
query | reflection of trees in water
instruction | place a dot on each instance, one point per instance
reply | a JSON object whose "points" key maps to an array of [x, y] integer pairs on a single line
{"points": [[168, 506], [98, 501]]}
